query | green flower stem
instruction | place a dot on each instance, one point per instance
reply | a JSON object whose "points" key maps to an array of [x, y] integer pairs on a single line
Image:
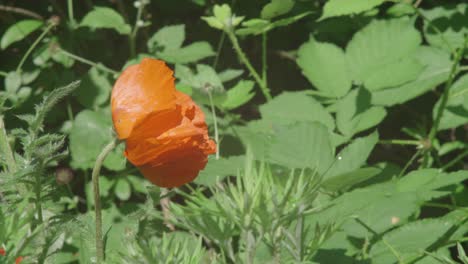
{"points": [[86, 61], [133, 34], [445, 95], [97, 198], [34, 45], [264, 58], [245, 60], [213, 112], [5, 148], [218, 50], [400, 142], [70, 13]]}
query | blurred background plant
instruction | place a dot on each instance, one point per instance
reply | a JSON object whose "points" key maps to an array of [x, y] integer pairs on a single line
{"points": [[341, 131]]}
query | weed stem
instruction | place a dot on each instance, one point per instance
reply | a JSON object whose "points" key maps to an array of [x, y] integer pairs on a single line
{"points": [[33, 46]]}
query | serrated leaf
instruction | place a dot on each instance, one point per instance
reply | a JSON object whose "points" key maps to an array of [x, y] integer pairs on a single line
{"points": [[94, 89], [449, 20], [122, 189], [303, 145], [291, 107], [347, 7], [324, 65], [380, 43], [456, 111], [394, 74], [409, 241], [19, 31], [239, 95], [276, 8], [353, 156], [104, 17], [355, 113], [188, 54], [217, 170], [91, 131], [229, 74], [167, 38], [437, 69]]}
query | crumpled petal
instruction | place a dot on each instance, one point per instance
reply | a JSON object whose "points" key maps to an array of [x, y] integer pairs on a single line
{"points": [[165, 131]]}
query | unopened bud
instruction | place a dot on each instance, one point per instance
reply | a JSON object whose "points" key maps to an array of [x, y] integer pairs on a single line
{"points": [[63, 175]]}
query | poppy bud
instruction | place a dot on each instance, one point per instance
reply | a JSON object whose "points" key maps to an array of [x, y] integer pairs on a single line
{"points": [[63, 175]]}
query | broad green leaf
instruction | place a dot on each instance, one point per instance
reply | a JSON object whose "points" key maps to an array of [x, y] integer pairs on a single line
{"points": [[349, 179], [324, 65], [167, 38], [355, 113], [394, 74], [188, 54], [409, 241], [276, 8], [239, 95], [291, 107], [19, 31], [122, 189], [302, 145], [257, 136], [104, 17], [217, 170], [430, 183], [456, 111], [437, 68], [94, 89], [353, 156], [401, 9], [380, 43], [229, 74], [450, 21], [91, 131], [347, 7], [12, 82], [451, 146]]}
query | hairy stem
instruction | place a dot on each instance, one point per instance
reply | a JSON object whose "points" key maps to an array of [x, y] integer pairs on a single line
{"points": [[455, 160], [86, 61], [21, 11], [400, 142], [5, 148], [97, 198], [33, 46], [133, 34], [445, 95], [215, 122], [71, 16], [246, 62], [264, 58]]}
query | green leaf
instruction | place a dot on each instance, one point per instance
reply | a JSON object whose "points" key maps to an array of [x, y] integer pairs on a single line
{"points": [[188, 54], [456, 111], [19, 31], [380, 43], [409, 241], [104, 17], [239, 95], [347, 180], [122, 189], [303, 145], [394, 74], [276, 8], [347, 7], [217, 170], [355, 113], [450, 21], [258, 26], [12, 82], [324, 65], [290, 107], [167, 38], [95, 89], [91, 131], [229, 74], [353, 156], [437, 65]]}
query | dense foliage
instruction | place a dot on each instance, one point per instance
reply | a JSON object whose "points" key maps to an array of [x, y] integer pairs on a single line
{"points": [[342, 130]]}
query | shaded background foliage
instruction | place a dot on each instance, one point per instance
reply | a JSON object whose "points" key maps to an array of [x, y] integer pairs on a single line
{"points": [[304, 179]]}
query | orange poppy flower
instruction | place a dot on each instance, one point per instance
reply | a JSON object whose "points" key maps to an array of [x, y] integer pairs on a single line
{"points": [[2, 251], [165, 131], [18, 260]]}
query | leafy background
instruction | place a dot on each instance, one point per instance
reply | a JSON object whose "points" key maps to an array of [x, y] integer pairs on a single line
{"points": [[342, 130]]}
